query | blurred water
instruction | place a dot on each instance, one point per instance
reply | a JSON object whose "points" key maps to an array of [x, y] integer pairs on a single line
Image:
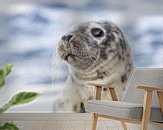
{"points": [[30, 34]]}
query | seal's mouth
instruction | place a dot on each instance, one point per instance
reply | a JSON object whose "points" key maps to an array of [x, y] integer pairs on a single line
{"points": [[67, 56], [73, 56]]}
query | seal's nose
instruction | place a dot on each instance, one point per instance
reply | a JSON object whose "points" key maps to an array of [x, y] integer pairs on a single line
{"points": [[67, 37]]}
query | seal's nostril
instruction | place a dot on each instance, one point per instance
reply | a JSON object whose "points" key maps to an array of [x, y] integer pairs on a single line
{"points": [[67, 37], [64, 38]]}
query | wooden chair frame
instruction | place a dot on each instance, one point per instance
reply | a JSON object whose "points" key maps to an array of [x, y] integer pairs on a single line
{"points": [[146, 106]]}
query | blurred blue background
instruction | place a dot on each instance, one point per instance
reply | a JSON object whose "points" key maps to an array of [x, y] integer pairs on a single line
{"points": [[30, 31]]}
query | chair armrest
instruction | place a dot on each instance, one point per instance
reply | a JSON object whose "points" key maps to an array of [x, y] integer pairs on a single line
{"points": [[148, 88], [148, 100], [101, 85]]}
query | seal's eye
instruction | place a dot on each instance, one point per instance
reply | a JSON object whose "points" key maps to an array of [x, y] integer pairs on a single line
{"points": [[97, 32]]}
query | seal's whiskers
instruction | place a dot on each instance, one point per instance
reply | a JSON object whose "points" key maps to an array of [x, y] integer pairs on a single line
{"points": [[56, 60]]}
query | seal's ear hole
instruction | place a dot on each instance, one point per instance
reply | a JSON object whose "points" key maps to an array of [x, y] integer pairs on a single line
{"points": [[97, 32]]}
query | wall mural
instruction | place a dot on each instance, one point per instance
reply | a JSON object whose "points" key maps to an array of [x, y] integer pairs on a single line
{"points": [[35, 38]]}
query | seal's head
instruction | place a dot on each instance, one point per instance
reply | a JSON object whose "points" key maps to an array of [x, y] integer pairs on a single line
{"points": [[91, 43]]}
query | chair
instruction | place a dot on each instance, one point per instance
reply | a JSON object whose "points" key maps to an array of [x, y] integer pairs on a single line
{"points": [[138, 107]]}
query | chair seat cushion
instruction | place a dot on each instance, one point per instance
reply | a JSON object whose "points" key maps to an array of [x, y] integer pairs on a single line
{"points": [[125, 110]]}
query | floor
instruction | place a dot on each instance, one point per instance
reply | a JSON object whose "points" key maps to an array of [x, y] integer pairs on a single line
{"points": [[63, 121], [60, 121], [67, 125], [70, 125]]}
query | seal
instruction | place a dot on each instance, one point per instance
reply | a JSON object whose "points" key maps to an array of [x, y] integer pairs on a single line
{"points": [[96, 51]]}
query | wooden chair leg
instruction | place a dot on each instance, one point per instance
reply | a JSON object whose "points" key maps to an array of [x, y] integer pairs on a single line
{"points": [[97, 97], [94, 123], [124, 125], [146, 109], [115, 98], [160, 98]]}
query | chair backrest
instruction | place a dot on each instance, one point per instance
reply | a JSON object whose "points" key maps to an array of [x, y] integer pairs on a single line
{"points": [[148, 77]]}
